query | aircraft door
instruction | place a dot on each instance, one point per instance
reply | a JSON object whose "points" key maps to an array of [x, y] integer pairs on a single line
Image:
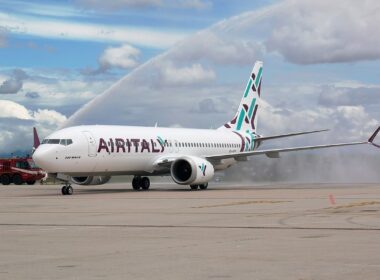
{"points": [[91, 144]]}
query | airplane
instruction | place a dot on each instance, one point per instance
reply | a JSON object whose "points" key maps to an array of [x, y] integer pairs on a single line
{"points": [[91, 154]]}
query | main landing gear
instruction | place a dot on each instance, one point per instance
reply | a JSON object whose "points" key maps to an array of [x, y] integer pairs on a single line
{"points": [[67, 189], [202, 187], [140, 183]]}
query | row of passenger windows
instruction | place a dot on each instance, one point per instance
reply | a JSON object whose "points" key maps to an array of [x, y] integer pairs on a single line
{"points": [[64, 142], [201, 145]]}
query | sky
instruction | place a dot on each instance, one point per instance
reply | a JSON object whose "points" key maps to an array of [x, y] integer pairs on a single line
{"points": [[185, 63]]}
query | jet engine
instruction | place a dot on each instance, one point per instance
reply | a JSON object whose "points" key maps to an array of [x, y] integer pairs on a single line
{"points": [[90, 180], [191, 170]]}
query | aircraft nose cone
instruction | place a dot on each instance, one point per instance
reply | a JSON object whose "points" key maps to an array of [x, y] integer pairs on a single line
{"points": [[42, 157]]}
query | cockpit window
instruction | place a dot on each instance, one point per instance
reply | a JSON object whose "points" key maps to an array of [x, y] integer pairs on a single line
{"points": [[64, 142], [53, 141]]}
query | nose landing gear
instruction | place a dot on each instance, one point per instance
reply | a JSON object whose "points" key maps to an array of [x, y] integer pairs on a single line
{"points": [[67, 189]]}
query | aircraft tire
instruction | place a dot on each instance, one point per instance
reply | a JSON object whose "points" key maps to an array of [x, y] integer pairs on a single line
{"points": [[31, 182], [145, 183], [136, 183], [204, 186], [194, 187], [69, 190]]}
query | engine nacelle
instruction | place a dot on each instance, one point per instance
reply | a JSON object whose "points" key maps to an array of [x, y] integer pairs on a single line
{"points": [[90, 180], [190, 170]]}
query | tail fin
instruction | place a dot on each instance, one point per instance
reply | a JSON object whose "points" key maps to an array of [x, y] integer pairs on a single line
{"points": [[245, 119], [36, 139]]}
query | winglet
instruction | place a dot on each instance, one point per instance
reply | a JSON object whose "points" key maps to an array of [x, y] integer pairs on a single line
{"points": [[370, 140], [36, 142]]}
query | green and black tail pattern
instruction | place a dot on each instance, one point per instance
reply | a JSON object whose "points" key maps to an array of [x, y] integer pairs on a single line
{"points": [[245, 120]]}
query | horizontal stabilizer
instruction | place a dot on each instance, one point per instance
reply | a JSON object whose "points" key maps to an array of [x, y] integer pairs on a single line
{"points": [[289, 135], [274, 153]]}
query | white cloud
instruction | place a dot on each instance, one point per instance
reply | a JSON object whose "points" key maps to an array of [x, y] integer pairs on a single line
{"points": [[10, 109], [332, 96], [52, 28], [307, 31], [49, 117], [208, 45], [181, 76], [59, 92], [13, 84], [10, 86], [347, 123], [16, 123], [124, 56]]}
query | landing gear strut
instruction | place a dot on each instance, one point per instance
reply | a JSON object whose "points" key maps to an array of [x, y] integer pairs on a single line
{"points": [[67, 189], [140, 183]]}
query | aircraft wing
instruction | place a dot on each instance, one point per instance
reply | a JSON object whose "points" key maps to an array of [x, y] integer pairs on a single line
{"points": [[275, 153]]}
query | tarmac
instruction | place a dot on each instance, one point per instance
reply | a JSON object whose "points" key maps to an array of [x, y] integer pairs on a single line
{"points": [[266, 231]]}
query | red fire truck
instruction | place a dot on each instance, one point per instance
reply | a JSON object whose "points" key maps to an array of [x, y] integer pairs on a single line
{"points": [[19, 171]]}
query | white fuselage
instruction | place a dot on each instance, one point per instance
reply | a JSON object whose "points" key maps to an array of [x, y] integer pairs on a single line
{"points": [[130, 150]]}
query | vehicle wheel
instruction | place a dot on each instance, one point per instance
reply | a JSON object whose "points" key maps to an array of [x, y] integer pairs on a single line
{"points": [[194, 187], [136, 183], [145, 183], [17, 179], [204, 186], [5, 179], [64, 190], [31, 182]]}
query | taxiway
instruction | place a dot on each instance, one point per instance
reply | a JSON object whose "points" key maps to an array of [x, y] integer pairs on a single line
{"points": [[282, 231]]}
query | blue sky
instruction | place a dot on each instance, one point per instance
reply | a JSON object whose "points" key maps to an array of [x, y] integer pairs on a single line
{"points": [[188, 58]]}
